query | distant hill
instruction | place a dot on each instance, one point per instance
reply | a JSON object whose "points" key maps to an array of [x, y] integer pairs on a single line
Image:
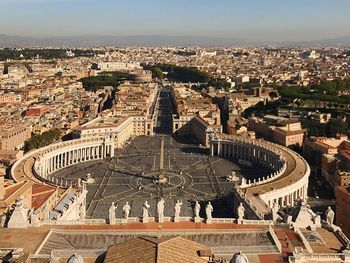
{"points": [[343, 41], [336, 41], [151, 40]]}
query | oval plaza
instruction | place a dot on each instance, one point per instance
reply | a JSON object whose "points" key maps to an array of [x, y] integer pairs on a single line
{"points": [[285, 181]]}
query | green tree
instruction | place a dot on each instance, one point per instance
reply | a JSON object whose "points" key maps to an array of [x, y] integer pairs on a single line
{"points": [[104, 79], [44, 139], [157, 73], [181, 74], [336, 126], [273, 95]]}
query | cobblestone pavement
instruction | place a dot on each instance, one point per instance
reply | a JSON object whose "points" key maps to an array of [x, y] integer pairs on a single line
{"points": [[191, 173]]}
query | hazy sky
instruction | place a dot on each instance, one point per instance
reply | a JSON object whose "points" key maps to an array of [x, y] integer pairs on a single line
{"points": [[242, 19]]}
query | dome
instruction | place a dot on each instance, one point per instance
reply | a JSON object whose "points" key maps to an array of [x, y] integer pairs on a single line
{"points": [[239, 258], [75, 259]]}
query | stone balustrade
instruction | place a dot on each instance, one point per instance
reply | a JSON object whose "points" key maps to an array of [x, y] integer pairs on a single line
{"points": [[264, 179], [319, 257]]}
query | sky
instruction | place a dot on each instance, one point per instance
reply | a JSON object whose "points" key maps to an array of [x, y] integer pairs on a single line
{"points": [[277, 20]]}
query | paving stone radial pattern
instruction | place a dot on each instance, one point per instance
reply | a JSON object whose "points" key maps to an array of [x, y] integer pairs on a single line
{"points": [[132, 176]]}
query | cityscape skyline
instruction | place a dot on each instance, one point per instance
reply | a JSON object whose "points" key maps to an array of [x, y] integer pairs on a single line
{"points": [[174, 131], [252, 20]]}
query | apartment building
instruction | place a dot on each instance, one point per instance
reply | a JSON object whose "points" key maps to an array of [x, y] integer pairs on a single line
{"points": [[343, 208], [13, 137], [10, 98], [280, 130]]}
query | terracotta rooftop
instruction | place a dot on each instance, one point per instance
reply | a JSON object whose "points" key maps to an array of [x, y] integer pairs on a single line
{"points": [[12, 189], [146, 249], [40, 194]]}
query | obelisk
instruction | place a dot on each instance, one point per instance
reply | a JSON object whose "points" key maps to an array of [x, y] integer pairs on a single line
{"points": [[161, 177]]}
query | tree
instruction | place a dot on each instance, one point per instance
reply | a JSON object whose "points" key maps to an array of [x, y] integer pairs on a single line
{"points": [[181, 74], [273, 95], [261, 109], [104, 79], [38, 141], [336, 126], [219, 84], [157, 73]]}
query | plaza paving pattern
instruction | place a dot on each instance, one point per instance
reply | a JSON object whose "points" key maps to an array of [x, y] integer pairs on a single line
{"points": [[192, 175]]}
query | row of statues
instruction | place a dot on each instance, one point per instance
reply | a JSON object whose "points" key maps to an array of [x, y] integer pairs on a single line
{"points": [[160, 211], [111, 212]]}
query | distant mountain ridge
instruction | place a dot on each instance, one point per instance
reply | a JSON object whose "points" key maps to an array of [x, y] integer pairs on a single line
{"points": [[152, 40]]}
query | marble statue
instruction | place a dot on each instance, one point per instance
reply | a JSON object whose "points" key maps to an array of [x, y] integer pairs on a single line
{"points": [[145, 208], [46, 212], [329, 214], [35, 221], [126, 210], [30, 214], [275, 209], [82, 211], [78, 183], [19, 216], [89, 179], [240, 211], [177, 211], [3, 218], [208, 210], [160, 210], [197, 208], [111, 213]]}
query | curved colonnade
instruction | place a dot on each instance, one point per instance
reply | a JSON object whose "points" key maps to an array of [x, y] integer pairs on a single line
{"points": [[39, 165], [286, 184]]}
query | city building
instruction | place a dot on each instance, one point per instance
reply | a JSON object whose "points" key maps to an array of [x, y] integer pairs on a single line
{"points": [[10, 98], [286, 132], [13, 137], [343, 208], [195, 114], [149, 165], [330, 156]]}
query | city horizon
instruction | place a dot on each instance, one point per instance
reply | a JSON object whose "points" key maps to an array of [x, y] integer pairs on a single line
{"points": [[89, 40], [174, 131], [253, 21]]}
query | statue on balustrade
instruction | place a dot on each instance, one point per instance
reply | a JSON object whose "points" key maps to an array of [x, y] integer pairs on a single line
{"points": [[19, 217], [160, 210], [208, 210], [197, 208], [46, 212], [126, 210], [111, 213], [82, 210], [145, 208], [275, 209], [329, 214], [240, 212], [34, 220], [177, 209], [3, 218]]}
